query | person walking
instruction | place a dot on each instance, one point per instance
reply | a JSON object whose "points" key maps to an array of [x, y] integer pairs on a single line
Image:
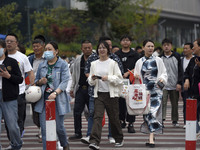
{"points": [[172, 63], [192, 78], [25, 67], [52, 76], [106, 78], [35, 59], [128, 58], [79, 88], [92, 58], [10, 78], [151, 70]]}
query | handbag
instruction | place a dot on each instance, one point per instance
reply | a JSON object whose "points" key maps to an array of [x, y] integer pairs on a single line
{"points": [[138, 100], [124, 92]]}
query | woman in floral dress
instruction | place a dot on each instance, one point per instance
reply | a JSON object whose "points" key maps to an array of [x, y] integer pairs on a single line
{"points": [[152, 70]]}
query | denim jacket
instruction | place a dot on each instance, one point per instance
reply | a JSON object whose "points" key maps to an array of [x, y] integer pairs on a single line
{"points": [[60, 76]]}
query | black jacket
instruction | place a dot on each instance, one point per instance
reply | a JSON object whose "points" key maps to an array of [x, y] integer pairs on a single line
{"points": [[131, 59], [192, 73], [10, 87]]}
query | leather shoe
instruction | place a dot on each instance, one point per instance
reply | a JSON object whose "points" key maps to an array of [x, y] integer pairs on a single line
{"points": [[75, 137], [66, 147], [131, 128]]}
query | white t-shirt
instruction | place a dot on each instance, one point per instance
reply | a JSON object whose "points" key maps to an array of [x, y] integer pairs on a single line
{"points": [[102, 70], [24, 66], [1, 61], [185, 63]]}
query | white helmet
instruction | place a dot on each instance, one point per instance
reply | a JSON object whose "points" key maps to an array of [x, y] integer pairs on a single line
{"points": [[33, 94]]}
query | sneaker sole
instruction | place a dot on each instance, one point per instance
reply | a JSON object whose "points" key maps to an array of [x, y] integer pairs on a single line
{"points": [[93, 148], [85, 142]]}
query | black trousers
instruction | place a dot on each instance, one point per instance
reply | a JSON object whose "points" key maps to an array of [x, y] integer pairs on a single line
{"points": [[81, 99], [21, 111], [123, 114]]}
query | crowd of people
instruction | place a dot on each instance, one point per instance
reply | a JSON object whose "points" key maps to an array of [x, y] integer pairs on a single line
{"points": [[95, 81]]}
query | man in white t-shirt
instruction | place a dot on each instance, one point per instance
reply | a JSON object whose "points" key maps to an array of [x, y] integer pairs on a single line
{"points": [[25, 67]]}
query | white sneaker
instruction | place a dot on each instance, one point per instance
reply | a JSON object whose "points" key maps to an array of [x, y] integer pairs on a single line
{"points": [[119, 144], [94, 146], [85, 140], [111, 140], [59, 146]]}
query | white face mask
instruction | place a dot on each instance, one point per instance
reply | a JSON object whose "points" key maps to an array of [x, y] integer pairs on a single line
{"points": [[1, 52]]}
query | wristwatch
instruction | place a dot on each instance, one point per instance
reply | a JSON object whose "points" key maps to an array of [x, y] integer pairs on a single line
{"points": [[55, 93]]}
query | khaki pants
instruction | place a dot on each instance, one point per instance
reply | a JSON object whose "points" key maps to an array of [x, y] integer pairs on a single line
{"points": [[173, 96], [112, 107]]}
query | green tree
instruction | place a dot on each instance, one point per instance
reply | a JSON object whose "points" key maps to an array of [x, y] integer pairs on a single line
{"points": [[100, 10], [44, 19], [134, 18], [9, 19]]}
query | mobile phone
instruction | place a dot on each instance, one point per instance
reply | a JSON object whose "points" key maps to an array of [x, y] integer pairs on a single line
{"points": [[98, 77], [160, 85], [2, 67]]}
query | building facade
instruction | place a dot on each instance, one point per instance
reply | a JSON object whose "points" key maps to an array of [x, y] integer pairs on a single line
{"points": [[179, 19]]}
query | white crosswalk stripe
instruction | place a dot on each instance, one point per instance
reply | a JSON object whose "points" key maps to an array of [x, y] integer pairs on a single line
{"points": [[172, 138]]}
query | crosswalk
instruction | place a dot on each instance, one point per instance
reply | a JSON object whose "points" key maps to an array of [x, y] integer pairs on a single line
{"points": [[173, 138]]}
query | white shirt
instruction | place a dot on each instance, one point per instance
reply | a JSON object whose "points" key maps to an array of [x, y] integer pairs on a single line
{"points": [[185, 63], [102, 70], [1, 61], [24, 66]]}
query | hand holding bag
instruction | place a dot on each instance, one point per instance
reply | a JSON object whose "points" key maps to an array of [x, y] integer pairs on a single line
{"points": [[138, 100]]}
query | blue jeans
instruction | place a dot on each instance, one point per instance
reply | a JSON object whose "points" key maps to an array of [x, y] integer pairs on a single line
{"points": [[60, 129], [90, 119], [9, 111]]}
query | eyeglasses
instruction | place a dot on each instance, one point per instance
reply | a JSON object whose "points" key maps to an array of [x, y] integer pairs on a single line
{"points": [[9, 41]]}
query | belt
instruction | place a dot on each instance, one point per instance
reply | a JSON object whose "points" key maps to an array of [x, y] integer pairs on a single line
{"points": [[84, 87]]}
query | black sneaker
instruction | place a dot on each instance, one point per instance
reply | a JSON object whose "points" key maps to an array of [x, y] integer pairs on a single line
{"points": [[131, 128], [75, 137], [123, 124], [175, 124]]}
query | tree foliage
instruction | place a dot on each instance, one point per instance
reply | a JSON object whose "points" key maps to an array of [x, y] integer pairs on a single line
{"points": [[51, 21], [100, 10], [9, 19], [134, 18]]}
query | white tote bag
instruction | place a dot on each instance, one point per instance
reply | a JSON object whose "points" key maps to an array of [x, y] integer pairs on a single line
{"points": [[138, 100], [137, 95]]}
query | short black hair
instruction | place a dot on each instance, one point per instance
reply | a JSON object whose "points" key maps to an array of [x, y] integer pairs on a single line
{"points": [[166, 41], [158, 48], [86, 41], [105, 44], [198, 41], [138, 47], [104, 38], [38, 41], [190, 44], [12, 34], [115, 46], [2, 43], [41, 37], [126, 36]]}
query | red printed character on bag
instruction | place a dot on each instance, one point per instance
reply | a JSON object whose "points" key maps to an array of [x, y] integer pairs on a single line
{"points": [[137, 95]]}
